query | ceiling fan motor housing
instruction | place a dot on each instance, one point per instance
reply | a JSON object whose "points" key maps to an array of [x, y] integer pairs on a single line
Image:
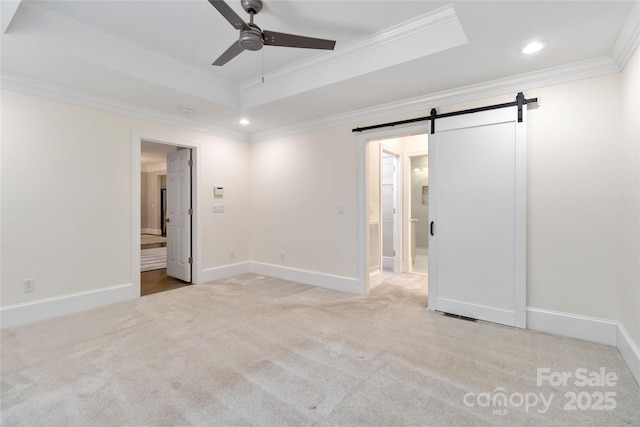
{"points": [[252, 6], [252, 39]]}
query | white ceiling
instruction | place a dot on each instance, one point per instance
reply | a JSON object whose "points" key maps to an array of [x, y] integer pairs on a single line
{"points": [[157, 55]]}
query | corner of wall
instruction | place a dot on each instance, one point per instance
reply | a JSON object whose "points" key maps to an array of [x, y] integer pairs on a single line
{"points": [[601, 331], [629, 350], [223, 271], [314, 278]]}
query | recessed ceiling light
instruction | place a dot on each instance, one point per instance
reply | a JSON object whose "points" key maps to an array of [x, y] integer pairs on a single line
{"points": [[244, 122], [185, 110], [533, 47]]}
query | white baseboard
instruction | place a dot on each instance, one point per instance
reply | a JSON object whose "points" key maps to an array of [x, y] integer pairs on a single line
{"points": [[224, 271], [375, 279], [315, 278], [33, 311], [586, 328], [629, 351], [155, 231], [475, 311], [602, 331], [42, 309]]}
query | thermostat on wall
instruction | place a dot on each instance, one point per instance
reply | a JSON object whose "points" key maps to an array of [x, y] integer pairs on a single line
{"points": [[218, 191]]}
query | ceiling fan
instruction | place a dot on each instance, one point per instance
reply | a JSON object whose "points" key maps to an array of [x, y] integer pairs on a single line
{"points": [[253, 38]]}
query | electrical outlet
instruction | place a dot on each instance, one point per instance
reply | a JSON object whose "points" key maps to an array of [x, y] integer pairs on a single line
{"points": [[29, 285], [232, 253], [282, 256]]}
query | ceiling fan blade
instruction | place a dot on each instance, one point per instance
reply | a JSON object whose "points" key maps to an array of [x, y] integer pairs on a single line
{"points": [[273, 38], [233, 51], [228, 13]]}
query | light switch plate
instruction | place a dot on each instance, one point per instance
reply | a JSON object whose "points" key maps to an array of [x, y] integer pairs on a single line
{"points": [[217, 209]]}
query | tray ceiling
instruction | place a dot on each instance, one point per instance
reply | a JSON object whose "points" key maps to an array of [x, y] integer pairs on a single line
{"points": [[156, 55]]}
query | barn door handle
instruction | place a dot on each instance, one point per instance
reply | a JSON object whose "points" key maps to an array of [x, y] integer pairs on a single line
{"points": [[431, 228]]}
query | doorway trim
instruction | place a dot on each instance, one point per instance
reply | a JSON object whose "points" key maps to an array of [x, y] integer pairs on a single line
{"points": [[136, 170], [364, 139]]}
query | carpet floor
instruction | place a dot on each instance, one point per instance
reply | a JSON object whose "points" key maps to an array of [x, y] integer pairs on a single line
{"points": [[253, 350]]}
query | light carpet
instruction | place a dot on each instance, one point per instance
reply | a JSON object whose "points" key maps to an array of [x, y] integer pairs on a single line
{"points": [[153, 259], [253, 350]]}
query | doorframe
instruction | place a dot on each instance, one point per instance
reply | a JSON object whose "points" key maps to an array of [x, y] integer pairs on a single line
{"points": [[136, 208], [364, 139]]}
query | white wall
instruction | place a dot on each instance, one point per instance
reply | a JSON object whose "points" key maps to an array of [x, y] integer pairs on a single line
{"points": [[297, 184], [630, 224], [67, 198], [374, 180], [574, 199]]}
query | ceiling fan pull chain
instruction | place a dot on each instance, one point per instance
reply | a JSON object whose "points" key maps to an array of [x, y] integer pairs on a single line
{"points": [[263, 66]]}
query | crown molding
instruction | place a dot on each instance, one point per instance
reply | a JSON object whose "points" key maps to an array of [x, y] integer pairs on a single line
{"points": [[421, 105], [547, 77], [8, 9], [628, 38], [396, 45], [397, 32], [131, 60], [62, 20], [58, 93]]}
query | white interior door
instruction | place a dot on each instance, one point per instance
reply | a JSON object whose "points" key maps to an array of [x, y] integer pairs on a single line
{"points": [[179, 214], [477, 258], [389, 209]]}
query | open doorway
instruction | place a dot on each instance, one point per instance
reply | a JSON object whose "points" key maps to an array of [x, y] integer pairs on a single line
{"points": [[419, 213], [154, 204], [392, 188], [389, 210]]}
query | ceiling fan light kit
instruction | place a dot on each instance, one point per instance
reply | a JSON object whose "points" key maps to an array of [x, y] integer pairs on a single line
{"points": [[253, 37]]}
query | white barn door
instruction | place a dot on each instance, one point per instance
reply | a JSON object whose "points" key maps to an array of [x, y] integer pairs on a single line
{"points": [[179, 213], [477, 263]]}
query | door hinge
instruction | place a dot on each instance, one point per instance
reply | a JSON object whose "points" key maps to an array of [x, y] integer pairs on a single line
{"points": [[394, 210], [190, 260], [190, 162], [190, 212], [394, 252]]}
